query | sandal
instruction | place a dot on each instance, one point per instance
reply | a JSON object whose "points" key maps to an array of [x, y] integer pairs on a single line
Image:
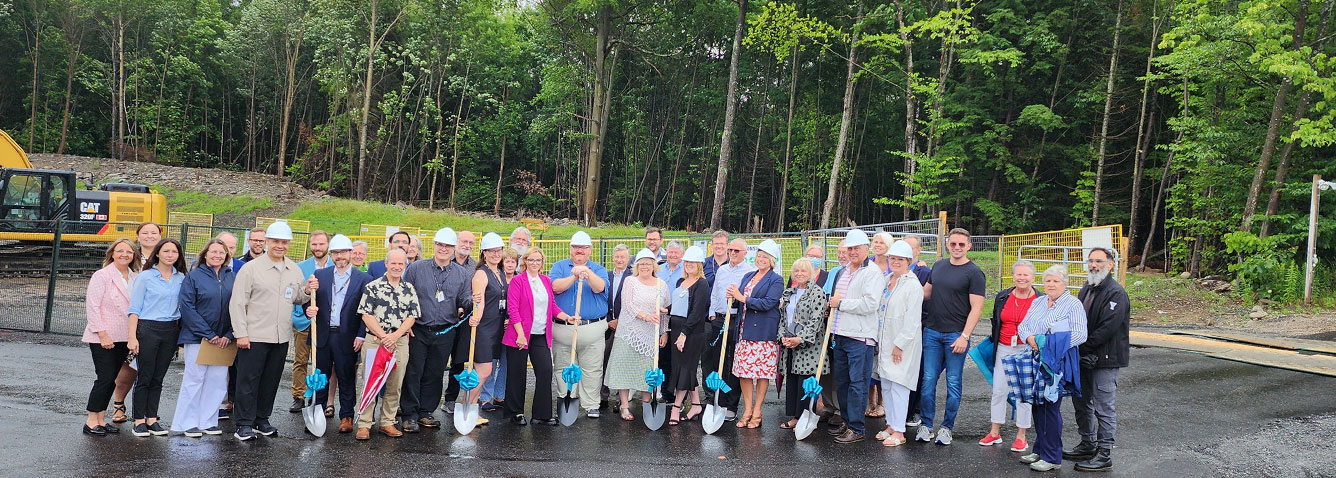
{"points": [[697, 409], [789, 424], [893, 441], [626, 414], [742, 422], [118, 412], [882, 435], [677, 410], [754, 423]]}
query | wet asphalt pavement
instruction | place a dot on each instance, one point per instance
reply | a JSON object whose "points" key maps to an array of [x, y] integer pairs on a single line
{"points": [[1180, 415]]}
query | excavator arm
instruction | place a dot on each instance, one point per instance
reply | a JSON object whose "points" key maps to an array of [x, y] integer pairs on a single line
{"points": [[11, 155]]}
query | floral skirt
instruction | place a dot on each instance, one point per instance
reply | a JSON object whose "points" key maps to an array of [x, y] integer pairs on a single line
{"points": [[756, 359]]}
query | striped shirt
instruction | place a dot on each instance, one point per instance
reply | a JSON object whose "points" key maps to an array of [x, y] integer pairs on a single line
{"points": [[1066, 314]]}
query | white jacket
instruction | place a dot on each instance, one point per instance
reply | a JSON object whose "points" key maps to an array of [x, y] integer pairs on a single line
{"points": [[901, 316], [857, 317]]}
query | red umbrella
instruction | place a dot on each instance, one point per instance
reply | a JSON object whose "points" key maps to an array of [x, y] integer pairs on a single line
{"points": [[375, 379]]}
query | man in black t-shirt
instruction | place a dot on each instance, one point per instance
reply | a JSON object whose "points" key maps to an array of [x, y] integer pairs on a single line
{"points": [[956, 287]]}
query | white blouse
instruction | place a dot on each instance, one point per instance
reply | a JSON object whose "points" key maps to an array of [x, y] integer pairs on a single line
{"points": [[540, 300]]}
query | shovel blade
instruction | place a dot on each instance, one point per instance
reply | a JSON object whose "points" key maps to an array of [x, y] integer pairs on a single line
{"points": [[713, 418], [568, 410], [806, 423], [654, 413], [314, 416], [466, 418]]}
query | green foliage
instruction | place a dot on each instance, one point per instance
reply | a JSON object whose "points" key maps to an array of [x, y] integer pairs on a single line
{"points": [[1265, 269], [204, 203], [779, 29]]}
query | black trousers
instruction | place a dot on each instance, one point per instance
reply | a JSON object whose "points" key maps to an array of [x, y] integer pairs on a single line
{"points": [[337, 358], [458, 357], [157, 344], [667, 391], [710, 362], [259, 369], [794, 404], [516, 387], [106, 364], [428, 352]]}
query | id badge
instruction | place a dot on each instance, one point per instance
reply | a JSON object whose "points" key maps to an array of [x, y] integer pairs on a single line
{"points": [[501, 304], [287, 293], [440, 296]]}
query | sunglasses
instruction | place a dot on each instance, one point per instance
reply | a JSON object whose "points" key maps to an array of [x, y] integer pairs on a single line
{"points": [[737, 250], [957, 244]]}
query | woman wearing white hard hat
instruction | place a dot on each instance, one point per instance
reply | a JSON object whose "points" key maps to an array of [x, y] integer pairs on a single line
{"points": [[756, 358], [489, 291], [881, 243], [639, 332], [688, 313], [899, 341]]}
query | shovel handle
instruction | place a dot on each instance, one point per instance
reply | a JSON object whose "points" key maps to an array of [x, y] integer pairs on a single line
{"points": [[314, 338], [825, 341], [473, 335], [728, 316], [575, 332]]}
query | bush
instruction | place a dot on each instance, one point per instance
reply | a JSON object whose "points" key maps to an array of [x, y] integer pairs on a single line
{"points": [[1266, 268]]}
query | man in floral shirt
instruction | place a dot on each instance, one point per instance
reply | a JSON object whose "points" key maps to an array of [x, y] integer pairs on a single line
{"points": [[389, 307]]}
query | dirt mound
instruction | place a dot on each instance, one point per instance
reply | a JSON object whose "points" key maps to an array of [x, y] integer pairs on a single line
{"points": [[217, 182]]}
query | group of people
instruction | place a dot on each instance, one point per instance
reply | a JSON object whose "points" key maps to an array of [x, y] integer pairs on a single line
{"points": [[895, 327]]}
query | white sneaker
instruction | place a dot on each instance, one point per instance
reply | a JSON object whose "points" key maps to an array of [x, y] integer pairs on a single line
{"points": [[924, 434], [1031, 458], [1042, 465], [944, 436], [592, 413]]}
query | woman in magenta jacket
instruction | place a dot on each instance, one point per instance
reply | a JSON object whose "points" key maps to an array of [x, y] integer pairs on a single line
{"points": [[530, 310]]}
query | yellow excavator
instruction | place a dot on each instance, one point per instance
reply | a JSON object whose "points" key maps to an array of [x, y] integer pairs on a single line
{"points": [[31, 200]]}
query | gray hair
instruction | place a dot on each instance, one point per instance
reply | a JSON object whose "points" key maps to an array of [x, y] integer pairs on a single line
{"points": [[813, 247], [674, 244], [1023, 263], [361, 243], [1056, 270], [720, 233], [806, 264], [621, 247], [521, 230], [225, 233]]}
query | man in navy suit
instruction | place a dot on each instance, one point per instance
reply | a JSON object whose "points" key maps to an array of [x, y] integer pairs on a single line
{"points": [[398, 240], [339, 329]]}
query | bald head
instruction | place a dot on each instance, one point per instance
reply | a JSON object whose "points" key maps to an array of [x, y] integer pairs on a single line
{"points": [[737, 251]]}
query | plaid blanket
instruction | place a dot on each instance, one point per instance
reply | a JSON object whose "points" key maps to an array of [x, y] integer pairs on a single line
{"points": [[1023, 377]]}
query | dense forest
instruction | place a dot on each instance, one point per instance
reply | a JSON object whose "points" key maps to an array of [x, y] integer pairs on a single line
{"points": [[1197, 124]]}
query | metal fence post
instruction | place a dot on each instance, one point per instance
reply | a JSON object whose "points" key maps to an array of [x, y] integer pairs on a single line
{"points": [[55, 268]]}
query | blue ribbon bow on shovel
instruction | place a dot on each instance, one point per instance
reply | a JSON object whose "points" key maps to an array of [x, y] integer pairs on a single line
{"points": [[653, 378], [811, 388], [572, 375], [715, 382], [316, 381], [468, 380]]}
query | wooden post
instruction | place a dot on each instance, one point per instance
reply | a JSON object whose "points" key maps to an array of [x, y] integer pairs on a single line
{"points": [[1311, 258], [941, 232]]}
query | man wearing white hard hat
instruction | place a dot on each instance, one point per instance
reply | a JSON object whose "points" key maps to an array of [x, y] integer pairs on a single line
{"points": [[581, 275], [459, 358], [444, 291], [261, 307], [858, 289], [725, 276], [339, 329]]}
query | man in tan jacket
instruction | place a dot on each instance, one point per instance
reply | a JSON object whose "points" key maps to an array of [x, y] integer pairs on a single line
{"points": [[261, 306]]}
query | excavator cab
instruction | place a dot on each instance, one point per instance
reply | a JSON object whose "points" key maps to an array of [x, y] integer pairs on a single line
{"points": [[28, 196]]}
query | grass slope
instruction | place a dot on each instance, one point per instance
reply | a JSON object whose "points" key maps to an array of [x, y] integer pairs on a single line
{"points": [[342, 215]]}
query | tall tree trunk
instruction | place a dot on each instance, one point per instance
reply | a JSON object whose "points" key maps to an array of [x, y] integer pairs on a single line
{"points": [[1159, 195], [788, 142], [730, 109], [846, 120], [1300, 112], [1108, 107], [74, 36], [37, 13], [501, 171], [756, 158], [1139, 162], [292, 49], [1273, 126], [373, 44], [459, 122], [911, 110], [597, 126]]}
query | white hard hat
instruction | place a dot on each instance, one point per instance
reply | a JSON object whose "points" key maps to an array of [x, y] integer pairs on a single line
{"points": [[856, 237], [340, 242], [278, 230], [446, 236], [694, 254], [900, 249], [491, 241], [645, 254], [581, 238], [771, 248]]}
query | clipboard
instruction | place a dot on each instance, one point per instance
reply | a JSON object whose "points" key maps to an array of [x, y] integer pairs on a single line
{"points": [[210, 354]]}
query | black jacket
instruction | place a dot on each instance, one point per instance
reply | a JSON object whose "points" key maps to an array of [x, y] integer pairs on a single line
{"points": [[999, 302], [1107, 320]]}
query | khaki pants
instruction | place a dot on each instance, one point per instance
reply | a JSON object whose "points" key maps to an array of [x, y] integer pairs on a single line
{"points": [[301, 358], [389, 406], [588, 355]]}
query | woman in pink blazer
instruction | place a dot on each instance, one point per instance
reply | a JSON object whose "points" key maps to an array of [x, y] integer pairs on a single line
{"points": [[530, 309], [107, 332]]}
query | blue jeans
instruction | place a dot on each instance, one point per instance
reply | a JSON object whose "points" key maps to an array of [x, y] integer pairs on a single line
{"points": [[496, 382], [936, 356], [852, 367]]}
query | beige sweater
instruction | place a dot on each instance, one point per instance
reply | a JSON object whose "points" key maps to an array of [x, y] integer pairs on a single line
{"points": [[262, 299]]}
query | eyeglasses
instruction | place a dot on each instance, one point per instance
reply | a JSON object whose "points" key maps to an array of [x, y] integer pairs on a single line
{"points": [[1097, 261], [534, 261], [737, 250], [957, 244]]}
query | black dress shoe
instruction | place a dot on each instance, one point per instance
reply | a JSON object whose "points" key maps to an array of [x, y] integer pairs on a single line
{"points": [[297, 406], [519, 420], [553, 422], [1100, 462], [95, 431], [1081, 451], [111, 428]]}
